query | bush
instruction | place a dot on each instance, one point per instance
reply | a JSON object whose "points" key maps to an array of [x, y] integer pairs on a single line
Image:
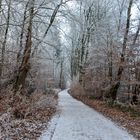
{"points": [[77, 90]]}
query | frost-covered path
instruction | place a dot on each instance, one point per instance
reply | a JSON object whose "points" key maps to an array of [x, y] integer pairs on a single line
{"points": [[79, 122]]}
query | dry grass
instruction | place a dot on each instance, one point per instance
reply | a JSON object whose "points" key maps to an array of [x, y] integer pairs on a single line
{"points": [[77, 90], [24, 117]]}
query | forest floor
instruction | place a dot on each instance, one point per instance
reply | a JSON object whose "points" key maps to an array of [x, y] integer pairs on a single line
{"points": [[77, 121], [24, 118], [128, 119]]}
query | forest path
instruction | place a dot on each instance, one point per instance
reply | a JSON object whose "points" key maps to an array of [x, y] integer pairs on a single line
{"points": [[77, 121]]}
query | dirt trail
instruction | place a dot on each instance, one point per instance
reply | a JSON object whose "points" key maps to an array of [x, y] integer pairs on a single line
{"points": [[79, 122]]}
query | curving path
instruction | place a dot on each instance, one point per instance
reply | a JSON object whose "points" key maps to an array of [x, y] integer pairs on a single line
{"points": [[79, 122]]}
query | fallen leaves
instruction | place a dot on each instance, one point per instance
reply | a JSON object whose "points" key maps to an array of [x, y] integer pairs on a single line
{"points": [[25, 118]]}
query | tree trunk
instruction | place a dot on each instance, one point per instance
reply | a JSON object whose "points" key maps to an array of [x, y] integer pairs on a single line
{"points": [[110, 72], [0, 5], [136, 86], [84, 56], [22, 33], [25, 65], [114, 88], [5, 39], [61, 75]]}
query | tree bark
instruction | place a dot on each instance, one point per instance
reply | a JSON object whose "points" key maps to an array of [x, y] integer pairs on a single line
{"points": [[25, 65], [114, 88], [136, 86], [22, 33], [61, 75], [5, 39], [0, 5]]}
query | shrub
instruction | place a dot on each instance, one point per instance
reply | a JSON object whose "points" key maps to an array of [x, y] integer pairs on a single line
{"points": [[77, 90]]}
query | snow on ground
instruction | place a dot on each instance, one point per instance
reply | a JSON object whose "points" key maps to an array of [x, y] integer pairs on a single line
{"points": [[79, 122]]}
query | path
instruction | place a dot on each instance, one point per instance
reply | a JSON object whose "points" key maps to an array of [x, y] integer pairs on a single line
{"points": [[79, 122]]}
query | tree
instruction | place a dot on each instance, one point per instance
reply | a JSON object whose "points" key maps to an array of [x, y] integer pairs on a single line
{"points": [[5, 38], [25, 65], [114, 87]]}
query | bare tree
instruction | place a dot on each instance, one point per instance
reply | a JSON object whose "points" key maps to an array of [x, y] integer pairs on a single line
{"points": [[5, 39], [25, 65], [114, 87]]}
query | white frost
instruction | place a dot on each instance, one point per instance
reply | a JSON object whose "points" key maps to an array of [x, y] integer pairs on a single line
{"points": [[79, 122]]}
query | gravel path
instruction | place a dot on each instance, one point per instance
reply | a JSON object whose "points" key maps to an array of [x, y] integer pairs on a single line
{"points": [[79, 122]]}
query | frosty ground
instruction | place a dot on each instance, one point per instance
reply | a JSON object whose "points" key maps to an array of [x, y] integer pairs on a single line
{"points": [[77, 121]]}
